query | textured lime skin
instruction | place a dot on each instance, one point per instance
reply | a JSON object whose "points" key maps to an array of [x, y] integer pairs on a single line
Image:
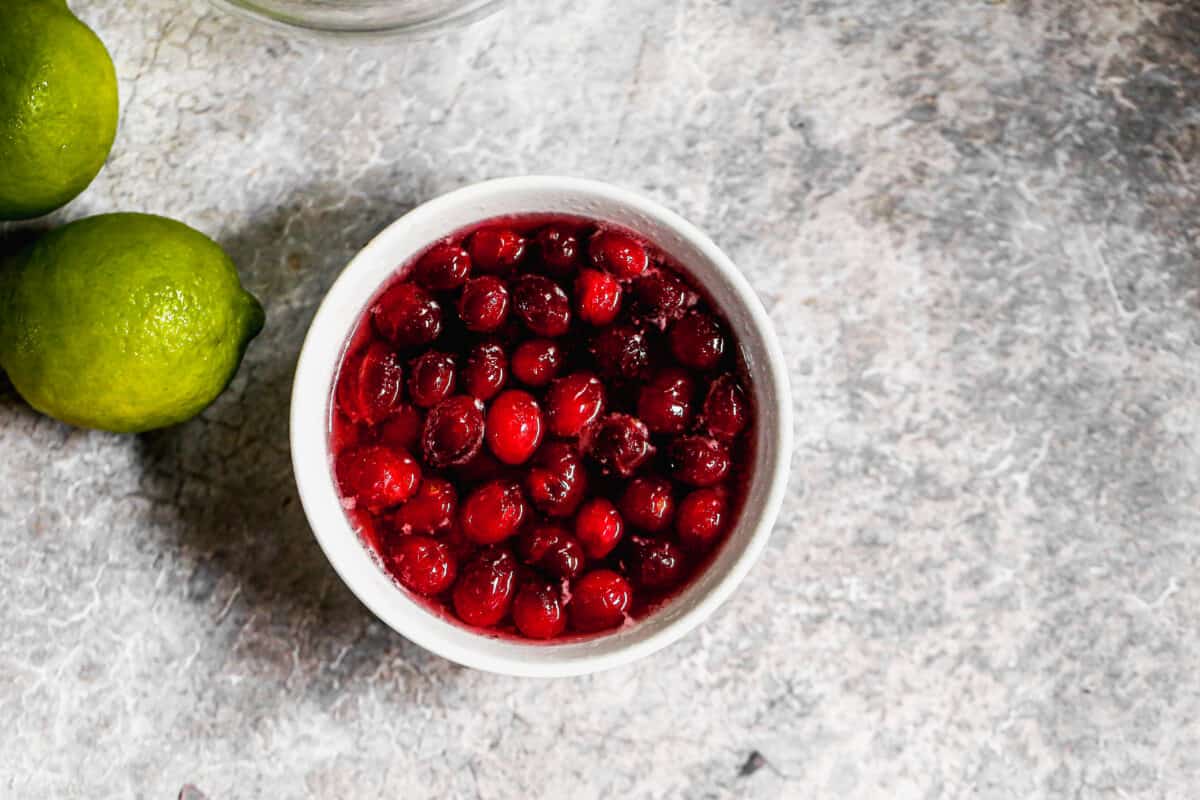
{"points": [[123, 322], [58, 107]]}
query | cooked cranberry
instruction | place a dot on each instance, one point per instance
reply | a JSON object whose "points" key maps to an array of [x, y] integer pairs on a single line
{"points": [[430, 378], [726, 410], [402, 430], [453, 431], [553, 549], [697, 341], [535, 362], [537, 611], [483, 466], [483, 305], [371, 387], [422, 564], [444, 267], [514, 426], [621, 351], [665, 403], [702, 517], [618, 253], [662, 297], [542, 305], [599, 527], [647, 503], [657, 564], [699, 460], [560, 248], [573, 403], [485, 371], [557, 481], [484, 591], [430, 510], [407, 316], [599, 600], [597, 297], [496, 249], [377, 477], [620, 444], [493, 512]]}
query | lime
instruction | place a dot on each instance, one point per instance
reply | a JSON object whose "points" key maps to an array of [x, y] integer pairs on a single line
{"points": [[58, 107], [123, 322]]}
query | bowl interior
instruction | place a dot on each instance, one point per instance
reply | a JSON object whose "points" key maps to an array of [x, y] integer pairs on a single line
{"points": [[347, 301]]}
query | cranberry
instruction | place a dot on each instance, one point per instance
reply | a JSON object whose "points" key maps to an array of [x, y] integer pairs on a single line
{"points": [[558, 481], [422, 564], [514, 426], [430, 510], [597, 297], [662, 297], [726, 410], [553, 549], [537, 611], [647, 504], [442, 268], [482, 467], [402, 430], [483, 305], [665, 403], [573, 403], [618, 253], [560, 248], [377, 477], [407, 316], [535, 362], [493, 512], [621, 351], [599, 527], [702, 517], [697, 341], [699, 460], [430, 378], [453, 431], [542, 305], [620, 444], [371, 389], [599, 601], [657, 564], [485, 371], [496, 249], [484, 591]]}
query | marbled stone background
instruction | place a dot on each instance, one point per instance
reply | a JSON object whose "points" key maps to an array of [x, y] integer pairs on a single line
{"points": [[975, 226]]}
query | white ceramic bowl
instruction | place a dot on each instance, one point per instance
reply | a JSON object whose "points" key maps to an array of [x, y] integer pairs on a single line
{"points": [[344, 306]]}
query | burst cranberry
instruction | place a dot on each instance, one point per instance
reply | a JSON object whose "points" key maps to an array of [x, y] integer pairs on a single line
{"points": [[662, 297], [599, 601], [376, 477], [496, 249], [407, 316], [573, 403], [665, 403], [552, 549], [485, 371], [542, 305], [620, 444], [422, 564], [557, 482], [430, 378], [484, 591], [697, 341], [560, 248], [430, 510], [598, 527], [597, 297], [514, 426], [493, 512], [535, 362], [370, 389], [657, 564], [621, 351], [699, 460], [453, 431], [402, 430], [442, 268], [648, 504], [618, 253], [537, 611], [702, 517], [726, 410], [483, 305]]}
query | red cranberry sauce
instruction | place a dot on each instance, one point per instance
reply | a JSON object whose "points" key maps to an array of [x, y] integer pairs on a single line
{"points": [[541, 428]]}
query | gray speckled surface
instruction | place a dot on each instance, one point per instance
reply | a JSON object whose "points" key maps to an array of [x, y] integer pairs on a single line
{"points": [[975, 226]]}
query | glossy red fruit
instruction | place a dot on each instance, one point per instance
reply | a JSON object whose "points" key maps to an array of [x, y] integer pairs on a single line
{"points": [[482, 467], [422, 564], [697, 341], [444, 267], [699, 460], [557, 482], [665, 403], [598, 527], [514, 426], [484, 591], [552, 549], [429, 511], [597, 297], [560, 248], [621, 255], [621, 351], [726, 409], [648, 504], [376, 477], [402, 430], [662, 297], [483, 305], [542, 305], [407, 316], [496, 249], [619, 444], [536, 362], [702, 518], [453, 431], [599, 601], [486, 370], [537, 611], [493, 512], [573, 403], [431, 378], [370, 387], [657, 564]]}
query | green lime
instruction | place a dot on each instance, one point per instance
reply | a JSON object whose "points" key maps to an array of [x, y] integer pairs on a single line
{"points": [[123, 322], [58, 107]]}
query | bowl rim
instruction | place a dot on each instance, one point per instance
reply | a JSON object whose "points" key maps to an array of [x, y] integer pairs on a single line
{"points": [[315, 481], [467, 14]]}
